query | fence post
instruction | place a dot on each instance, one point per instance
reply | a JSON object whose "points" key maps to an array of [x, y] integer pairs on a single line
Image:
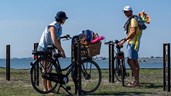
{"points": [[72, 51], [8, 62], [112, 56], [166, 67], [111, 62], [79, 67]]}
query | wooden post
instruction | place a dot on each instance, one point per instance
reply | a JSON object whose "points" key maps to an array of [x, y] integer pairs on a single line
{"points": [[74, 58], [72, 51], [79, 67], [166, 67], [111, 62], [8, 62]]}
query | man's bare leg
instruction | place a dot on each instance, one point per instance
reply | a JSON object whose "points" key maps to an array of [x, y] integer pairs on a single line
{"points": [[134, 65]]}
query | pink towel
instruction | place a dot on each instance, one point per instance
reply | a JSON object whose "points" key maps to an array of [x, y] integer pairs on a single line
{"points": [[97, 39]]}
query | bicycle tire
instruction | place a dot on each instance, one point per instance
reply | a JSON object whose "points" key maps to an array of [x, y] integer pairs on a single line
{"points": [[120, 71], [36, 79], [122, 75], [90, 76], [117, 70]]}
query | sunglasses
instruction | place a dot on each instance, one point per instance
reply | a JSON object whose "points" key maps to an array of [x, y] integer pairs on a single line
{"points": [[126, 11]]}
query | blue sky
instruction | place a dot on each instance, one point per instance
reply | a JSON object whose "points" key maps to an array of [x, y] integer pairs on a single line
{"points": [[23, 21]]}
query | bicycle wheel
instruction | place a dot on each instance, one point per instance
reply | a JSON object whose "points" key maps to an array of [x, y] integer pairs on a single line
{"points": [[90, 76], [122, 74], [120, 71], [37, 72]]}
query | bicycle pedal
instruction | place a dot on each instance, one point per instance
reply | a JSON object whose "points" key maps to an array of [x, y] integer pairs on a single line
{"points": [[68, 88]]}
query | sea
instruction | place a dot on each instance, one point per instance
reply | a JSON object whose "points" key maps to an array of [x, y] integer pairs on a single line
{"points": [[24, 63]]}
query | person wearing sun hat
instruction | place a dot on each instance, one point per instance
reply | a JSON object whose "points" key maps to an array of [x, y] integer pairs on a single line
{"points": [[51, 36], [133, 43]]}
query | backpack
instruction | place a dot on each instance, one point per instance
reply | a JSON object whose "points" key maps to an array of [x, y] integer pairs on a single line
{"points": [[141, 23], [142, 18]]}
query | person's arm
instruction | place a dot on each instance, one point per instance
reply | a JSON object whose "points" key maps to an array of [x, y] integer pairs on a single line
{"points": [[60, 44], [55, 41]]}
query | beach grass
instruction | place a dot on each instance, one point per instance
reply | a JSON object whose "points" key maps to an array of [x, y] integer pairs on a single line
{"points": [[151, 84]]}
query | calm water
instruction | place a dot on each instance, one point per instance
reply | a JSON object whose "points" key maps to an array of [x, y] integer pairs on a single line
{"points": [[24, 63]]}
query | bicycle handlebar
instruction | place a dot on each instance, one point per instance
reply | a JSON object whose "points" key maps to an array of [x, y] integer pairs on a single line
{"points": [[109, 42], [115, 42], [67, 37]]}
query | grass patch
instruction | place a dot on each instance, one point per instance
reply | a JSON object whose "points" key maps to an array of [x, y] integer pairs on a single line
{"points": [[151, 84]]}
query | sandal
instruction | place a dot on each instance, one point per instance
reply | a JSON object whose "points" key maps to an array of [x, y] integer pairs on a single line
{"points": [[133, 84]]}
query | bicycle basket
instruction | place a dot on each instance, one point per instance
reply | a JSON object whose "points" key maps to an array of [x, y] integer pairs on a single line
{"points": [[90, 50]]}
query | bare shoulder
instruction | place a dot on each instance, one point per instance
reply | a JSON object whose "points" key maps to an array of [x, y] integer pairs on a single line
{"points": [[52, 29]]}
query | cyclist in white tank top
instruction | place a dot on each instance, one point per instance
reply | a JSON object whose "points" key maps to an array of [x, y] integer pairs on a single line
{"points": [[51, 36]]}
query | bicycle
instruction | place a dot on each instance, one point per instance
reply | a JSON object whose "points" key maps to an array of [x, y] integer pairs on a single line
{"points": [[119, 62], [90, 72]]}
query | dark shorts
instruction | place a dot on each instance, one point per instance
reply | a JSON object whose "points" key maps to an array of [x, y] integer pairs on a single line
{"points": [[132, 54], [46, 66]]}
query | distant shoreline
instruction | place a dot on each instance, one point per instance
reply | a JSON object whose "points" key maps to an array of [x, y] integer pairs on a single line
{"points": [[157, 57], [100, 68], [24, 63]]}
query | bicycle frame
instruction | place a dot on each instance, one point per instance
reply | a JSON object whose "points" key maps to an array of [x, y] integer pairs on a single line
{"points": [[52, 71], [118, 67], [119, 55]]}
